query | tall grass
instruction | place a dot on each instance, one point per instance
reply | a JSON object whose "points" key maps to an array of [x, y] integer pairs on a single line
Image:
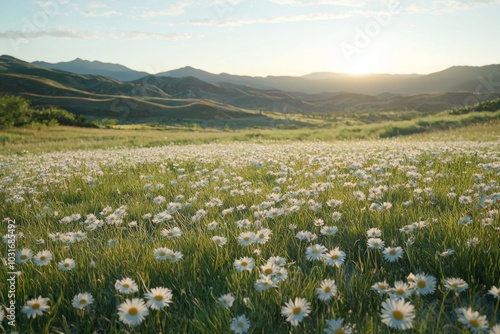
{"points": [[417, 179]]}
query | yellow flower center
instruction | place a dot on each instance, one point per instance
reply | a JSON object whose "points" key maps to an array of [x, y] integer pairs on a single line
{"points": [[339, 331], [66, 264], [133, 311], [158, 298], [24, 256], [454, 285], [400, 291], [246, 238], [383, 287], [334, 256], [241, 324], [162, 253], [296, 310], [169, 233], [392, 252], [474, 323], [375, 244], [35, 306], [398, 315], [244, 263], [268, 271], [421, 284], [327, 289], [83, 301], [261, 236], [126, 285], [315, 251], [43, 257]]}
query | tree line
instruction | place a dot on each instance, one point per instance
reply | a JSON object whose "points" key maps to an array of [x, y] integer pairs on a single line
{"points": [[16, 111]]}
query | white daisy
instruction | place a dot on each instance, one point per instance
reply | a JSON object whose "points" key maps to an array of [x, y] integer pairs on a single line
{"points": [[240, 324], [315, 252], [126, 286], [226, 300], [82, 300], [35, 307], [334, 257], [472, 319], [158, 298], [398, 314], [132, 312], [296, 311], [327, 290], [66, 264], [245, 263]]}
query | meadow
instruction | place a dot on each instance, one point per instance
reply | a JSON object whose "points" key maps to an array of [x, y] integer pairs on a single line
{"points": [[257, 231]]}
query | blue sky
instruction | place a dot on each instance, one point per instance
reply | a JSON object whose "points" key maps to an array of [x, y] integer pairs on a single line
{"points": [[257, 37]]}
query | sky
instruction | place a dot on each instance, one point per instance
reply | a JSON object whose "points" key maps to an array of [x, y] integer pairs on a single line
{"points": [[257, 37]]}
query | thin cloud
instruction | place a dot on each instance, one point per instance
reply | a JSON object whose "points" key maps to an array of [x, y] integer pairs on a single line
{"points": [[71, 34], [227, 22], [447, 6], [174, 10], [90, 13], [56, 33], [347, 3]]}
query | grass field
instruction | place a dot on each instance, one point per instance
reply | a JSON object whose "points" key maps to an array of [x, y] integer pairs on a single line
{"points": [[478, 127], [376, 236]]}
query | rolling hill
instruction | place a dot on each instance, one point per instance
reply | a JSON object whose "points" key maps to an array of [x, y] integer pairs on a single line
{"points": [[482, 79], [154, 98]]}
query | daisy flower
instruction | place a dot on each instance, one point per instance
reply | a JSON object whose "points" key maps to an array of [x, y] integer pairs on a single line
{"points": [[375, 243], [334, 257], [264, 283], [327, 290], [314, 252], [392, 254], [245, 263], [246, 238], [212, 226], [171, 233], [158, 298], [35, 307], [82, 300], [66, 265], [42, 258], [132, 312], [495, 329], [373, 233], [268, 269], [262, 236], [456, 284], [495, 292], [24, 255], [401, 290], [219, 241], [423, 284], [381, 287], [336, 326], [226, 300], [398, 314], [472, 319], [126, 286], [240, 324], [296, 311], [329, 230]]}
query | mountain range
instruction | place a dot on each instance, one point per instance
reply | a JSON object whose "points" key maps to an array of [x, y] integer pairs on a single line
{"points": [[456, 78], [99, 89]]}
